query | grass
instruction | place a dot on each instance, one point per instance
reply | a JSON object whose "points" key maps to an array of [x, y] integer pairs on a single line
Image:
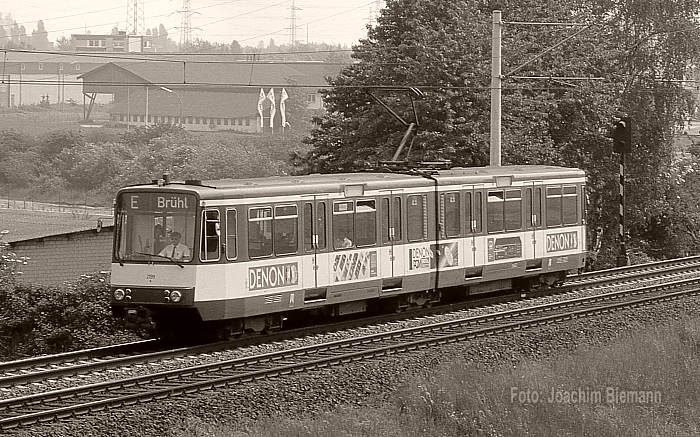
{"points": [[462, 400], [23, 224]]}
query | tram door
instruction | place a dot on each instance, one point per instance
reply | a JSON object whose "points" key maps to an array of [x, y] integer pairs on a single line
{"points": [[532, 211], [391, 253], [315, 264], [475, 246]]}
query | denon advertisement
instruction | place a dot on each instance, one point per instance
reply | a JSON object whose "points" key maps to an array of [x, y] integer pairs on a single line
{"points": [[562, 241], [273, 276]]}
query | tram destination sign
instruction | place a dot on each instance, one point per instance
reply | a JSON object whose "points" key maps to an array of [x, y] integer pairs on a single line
{"points": [[170, 202]]}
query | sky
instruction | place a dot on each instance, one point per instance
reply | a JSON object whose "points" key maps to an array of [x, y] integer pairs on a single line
{"points": [[246, 21]]}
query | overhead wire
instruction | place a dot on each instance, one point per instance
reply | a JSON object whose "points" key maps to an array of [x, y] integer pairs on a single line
{"points": [[424, 87], [154, 59]]}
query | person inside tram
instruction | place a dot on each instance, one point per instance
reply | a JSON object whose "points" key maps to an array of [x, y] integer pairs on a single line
{"points": [[343, 243], [159, 238], [175, 249]]}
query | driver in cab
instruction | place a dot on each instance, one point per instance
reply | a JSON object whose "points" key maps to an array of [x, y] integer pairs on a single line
{"points": [[175, 249]]}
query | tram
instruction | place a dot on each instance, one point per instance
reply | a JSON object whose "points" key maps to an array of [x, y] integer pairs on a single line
{"points": [[254, 252]]}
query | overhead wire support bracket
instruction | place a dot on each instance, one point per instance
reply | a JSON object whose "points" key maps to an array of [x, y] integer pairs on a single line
{"points": [[544, 23], [549, 49]]}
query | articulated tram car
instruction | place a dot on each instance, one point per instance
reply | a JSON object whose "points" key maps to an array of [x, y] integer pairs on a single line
{"points": [[257, 251]]}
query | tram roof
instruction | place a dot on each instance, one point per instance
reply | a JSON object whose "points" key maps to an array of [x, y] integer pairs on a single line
{"points": [[334, 183]]}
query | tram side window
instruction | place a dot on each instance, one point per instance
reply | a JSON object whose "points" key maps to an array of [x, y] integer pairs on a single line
{"points": [[417, 217], [478, 202], [513, 210], [366, 223], [308, 220], [554, 206], [386, 227], [450, 223], [397, 219], [321, 226], [231, 234], [533, 207], [495, 207], [259, 232], [320, 220], [286, 221], [472, 212], [343, 230], [468, 221], [210, 235], [537, 207], [570, 205], [528, 208], [391, 220]]}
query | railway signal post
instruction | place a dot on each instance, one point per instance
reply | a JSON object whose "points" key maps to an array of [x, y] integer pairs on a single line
{"points": [[622, 143]]}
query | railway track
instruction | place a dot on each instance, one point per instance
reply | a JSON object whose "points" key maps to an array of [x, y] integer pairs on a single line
{"points": [[52, 367], [70, 402]]}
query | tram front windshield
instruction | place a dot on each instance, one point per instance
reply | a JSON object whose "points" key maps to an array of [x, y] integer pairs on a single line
{"points": [[155, 227]]}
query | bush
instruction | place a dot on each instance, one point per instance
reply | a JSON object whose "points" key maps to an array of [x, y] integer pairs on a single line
{"points": [[43, 320]]}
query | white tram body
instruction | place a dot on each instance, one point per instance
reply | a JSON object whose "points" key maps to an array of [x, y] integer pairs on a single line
{"points": [[263, 248]]}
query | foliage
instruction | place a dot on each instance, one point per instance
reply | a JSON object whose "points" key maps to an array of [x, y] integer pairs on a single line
{"points": [[17, 160], [55, 142], [415, 44], [634, 52], [38, 320], [95, 165], [141, 136], [8, 263]]}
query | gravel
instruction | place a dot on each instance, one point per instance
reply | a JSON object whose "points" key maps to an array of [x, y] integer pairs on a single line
{"points": [[363, 383], [212, 357]]}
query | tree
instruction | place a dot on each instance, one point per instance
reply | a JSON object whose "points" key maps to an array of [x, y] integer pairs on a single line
{"points": [[55, 142], [18, 160], [443, 48], [235, 47], [63, 44], [40, 37], [8, 264], [414, 44]]}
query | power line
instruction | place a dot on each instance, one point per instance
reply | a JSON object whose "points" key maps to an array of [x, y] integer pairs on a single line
{"points": [[135, 23], [185, 24], [93, 26], [293, 24], [310, 22], [197, 86]]}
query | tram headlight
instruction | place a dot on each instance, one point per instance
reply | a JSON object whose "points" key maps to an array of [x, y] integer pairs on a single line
{"points": [[175, 296], [119, 294]]}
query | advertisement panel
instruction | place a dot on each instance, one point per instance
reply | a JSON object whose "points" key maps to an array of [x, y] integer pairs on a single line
{"points": [[273, 276]]}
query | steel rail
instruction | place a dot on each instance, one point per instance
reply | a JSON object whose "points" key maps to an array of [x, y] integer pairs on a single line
{"points": [[74, 363], [194, 379], [43, 360]]}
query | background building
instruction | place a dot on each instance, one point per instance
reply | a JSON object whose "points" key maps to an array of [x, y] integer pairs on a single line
{"points": [[118, 42], [203, 94], [65, 256], [36, 78]]}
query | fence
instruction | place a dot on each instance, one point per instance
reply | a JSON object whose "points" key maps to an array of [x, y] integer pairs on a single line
{"points": [[67, 208]]}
